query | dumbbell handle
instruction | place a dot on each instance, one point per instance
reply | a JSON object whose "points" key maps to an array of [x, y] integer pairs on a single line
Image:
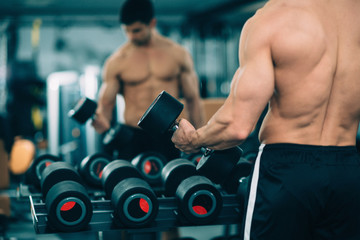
{"points": [[175, 126], [208, 151]]}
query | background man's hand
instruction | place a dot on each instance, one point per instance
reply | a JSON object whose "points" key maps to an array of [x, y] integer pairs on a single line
{"points": [[100, 123]]}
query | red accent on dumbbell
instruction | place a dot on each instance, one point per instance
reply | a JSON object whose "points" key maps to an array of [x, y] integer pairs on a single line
{"points": [[144, 205], [67, 206], [200, 210], [147, 167]]}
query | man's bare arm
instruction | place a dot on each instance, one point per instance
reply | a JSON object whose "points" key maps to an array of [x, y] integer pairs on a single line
{"points": [[190, 87], [107, 98], [251, 88]]}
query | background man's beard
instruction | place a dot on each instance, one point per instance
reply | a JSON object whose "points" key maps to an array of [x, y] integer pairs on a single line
{"points": [[142, 42]]}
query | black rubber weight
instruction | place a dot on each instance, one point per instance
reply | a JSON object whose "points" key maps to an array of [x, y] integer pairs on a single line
{"points": [[73, 218], [92, 166], [83, 110], [199, 192], [218, 165], [57, 172], [150, 165], [33, 174], [118, 135], [161, 114], [195, 158], [242, 169], [174, 172], [134, 202], [242, 191], [115, 172]]}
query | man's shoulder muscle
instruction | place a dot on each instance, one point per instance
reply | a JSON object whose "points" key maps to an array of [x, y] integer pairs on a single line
{"points": [[118, 55], [170, 46], [287, 29], [116, 60]]}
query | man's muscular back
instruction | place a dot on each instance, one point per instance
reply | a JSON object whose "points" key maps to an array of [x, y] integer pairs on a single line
{"points": [[315, 46], [143, 72]]}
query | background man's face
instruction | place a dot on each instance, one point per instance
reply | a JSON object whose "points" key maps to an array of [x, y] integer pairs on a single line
{"points": [[138, 33]]}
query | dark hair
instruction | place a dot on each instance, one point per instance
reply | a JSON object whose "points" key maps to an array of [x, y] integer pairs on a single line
{"points": [[136, 10]]}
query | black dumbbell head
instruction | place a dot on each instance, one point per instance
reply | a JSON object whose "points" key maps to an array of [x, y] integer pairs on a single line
{"points": [[58, 172], [218, 165], [174, 172], [134, 202], [150, 165], [250, 155], [83, 110], [69, 207], [115, 172], [242, 191], [33, 174], [199, 200], [92, 166], [161, 114], [118, 135], [195, 158], [242, 169]]}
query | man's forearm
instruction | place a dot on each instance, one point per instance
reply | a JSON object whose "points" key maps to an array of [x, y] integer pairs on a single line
{"points": [[105, 108], [224, 130]]}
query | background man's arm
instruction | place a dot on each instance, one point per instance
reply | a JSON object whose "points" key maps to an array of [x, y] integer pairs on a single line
{"points": [[251, 88], [107, 98], [190, 89]]}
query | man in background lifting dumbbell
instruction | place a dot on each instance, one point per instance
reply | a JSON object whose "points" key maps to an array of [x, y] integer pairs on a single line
{"points": [[303, 58], [144, 66]]}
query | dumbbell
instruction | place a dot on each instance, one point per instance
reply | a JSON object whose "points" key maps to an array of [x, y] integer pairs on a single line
{"points": [[33, 174], [242, 191], [225, 167], [85, 109], [233, 181], [193, 157], [91, 168], [161, 117], [134, 202], [150, 165], [250, 155], [67, 202], [199, 201]]}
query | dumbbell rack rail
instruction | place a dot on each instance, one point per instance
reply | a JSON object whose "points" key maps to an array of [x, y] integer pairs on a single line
{"points": [[167, 217]]}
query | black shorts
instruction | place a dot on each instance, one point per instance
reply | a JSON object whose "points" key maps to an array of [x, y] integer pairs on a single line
{"points": [[303, 192]]}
